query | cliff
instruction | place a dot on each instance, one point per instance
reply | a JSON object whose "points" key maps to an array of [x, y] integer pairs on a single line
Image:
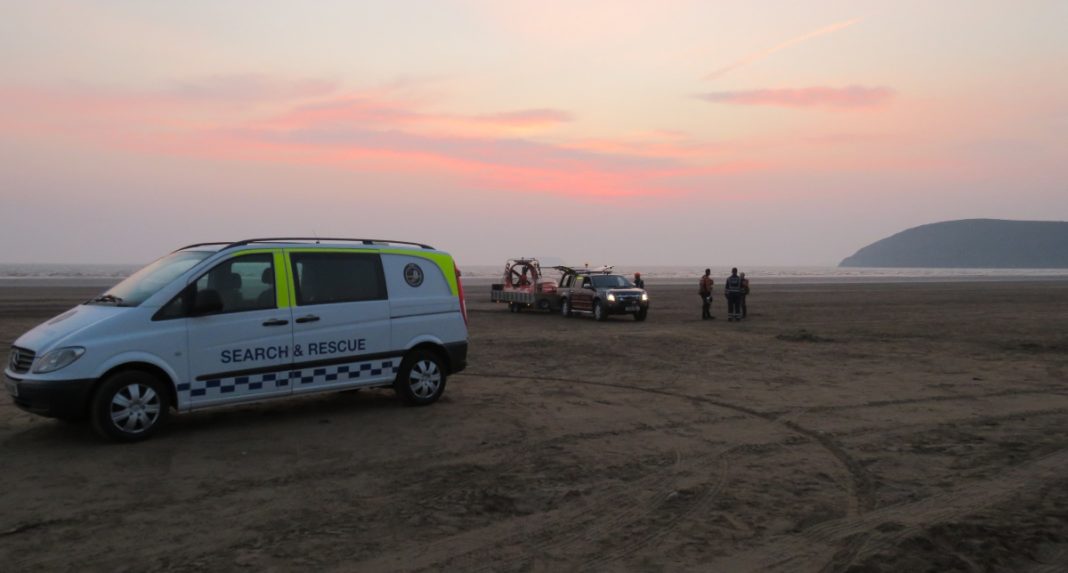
{"points": [[970, 243]]}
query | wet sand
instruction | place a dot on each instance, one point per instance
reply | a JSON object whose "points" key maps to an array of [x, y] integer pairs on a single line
{"points": [[841, 428]]}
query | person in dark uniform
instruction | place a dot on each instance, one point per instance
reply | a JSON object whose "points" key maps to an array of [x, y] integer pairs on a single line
{"points": [[638, 282], [745, 295], [733, 290], [705, 290]]}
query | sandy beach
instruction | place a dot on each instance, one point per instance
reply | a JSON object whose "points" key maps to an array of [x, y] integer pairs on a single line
{"points": [[850, 427]]}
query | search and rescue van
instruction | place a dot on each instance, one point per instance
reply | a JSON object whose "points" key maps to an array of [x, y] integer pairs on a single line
{"points": [[214, 324]]}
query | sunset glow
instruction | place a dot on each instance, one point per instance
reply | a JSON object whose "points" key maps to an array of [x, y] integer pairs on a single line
{"points": [[807, 130]]}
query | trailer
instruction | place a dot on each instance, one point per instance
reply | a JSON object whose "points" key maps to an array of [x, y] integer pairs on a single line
{"points": [[524, 287]]}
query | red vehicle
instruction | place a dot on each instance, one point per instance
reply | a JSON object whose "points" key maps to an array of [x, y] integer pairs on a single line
{"points": [[525, 287]]}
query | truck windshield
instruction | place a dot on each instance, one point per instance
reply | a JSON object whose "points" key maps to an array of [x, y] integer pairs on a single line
{"points": [[147, 281], [610, 281]]}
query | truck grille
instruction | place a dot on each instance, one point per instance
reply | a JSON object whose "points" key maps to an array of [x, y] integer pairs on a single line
{"points": [[21, 359]]}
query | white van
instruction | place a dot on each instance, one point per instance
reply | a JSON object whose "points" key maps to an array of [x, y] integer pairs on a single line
{"points": [[220, 323]]}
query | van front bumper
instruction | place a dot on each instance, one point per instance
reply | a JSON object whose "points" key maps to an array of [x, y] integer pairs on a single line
{"points": [[52, 398]]}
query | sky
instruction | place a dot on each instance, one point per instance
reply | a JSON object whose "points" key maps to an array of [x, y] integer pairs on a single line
{"points": [[674, 132]]}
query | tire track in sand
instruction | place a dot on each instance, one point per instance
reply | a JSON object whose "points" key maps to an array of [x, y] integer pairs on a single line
{"points": [[888, 526], [611, 512]]}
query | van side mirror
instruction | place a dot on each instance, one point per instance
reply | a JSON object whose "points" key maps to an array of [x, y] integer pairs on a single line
{"points": [[207, 301]]}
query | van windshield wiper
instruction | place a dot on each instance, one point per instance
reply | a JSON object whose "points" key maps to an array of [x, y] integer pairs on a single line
{"points": [[117, 300]]}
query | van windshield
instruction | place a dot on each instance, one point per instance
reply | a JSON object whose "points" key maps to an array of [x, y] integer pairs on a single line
{"points": [[147, 281]]}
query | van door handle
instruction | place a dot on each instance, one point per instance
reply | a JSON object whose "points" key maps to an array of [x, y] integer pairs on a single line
{"points": [[309, 318], [276, 322]]}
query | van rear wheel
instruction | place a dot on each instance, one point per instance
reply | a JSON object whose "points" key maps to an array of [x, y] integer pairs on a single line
{"points": [[421, 378], [129, 406]]}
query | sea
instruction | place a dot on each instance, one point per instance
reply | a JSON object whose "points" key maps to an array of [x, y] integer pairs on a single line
{"points": [[104, 275]]}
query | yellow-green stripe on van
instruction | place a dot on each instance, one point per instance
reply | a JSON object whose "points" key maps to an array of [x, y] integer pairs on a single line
{"points": [[281, 280], [444, 262]]}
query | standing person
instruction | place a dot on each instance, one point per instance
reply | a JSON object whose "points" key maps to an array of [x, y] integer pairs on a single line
{"points": [[705, 290], [745, 294], [733, 289], [638, 282]]}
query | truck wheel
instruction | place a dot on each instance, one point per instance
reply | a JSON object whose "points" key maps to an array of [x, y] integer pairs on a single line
{"points": [[641, 314], [421, 378], [565, 308], [599, 312], [129, 406]]}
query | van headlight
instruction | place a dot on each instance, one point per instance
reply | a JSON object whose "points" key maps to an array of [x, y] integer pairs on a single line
{"points": [[56, 359], [645, 296], [611, 297]]}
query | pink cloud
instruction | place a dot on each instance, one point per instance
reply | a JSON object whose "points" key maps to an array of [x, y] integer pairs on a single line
{"points": [[381, 111], [244, 88], [527, 117], [260, 119], [851, 97], [660, 143]]}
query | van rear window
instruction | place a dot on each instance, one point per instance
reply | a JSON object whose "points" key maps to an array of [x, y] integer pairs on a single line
{"points": [[326, 278]]}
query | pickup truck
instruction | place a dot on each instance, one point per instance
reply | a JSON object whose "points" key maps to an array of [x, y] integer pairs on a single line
{"points": [[601, 295]]}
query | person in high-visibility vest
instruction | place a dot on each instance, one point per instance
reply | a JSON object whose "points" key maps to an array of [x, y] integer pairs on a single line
{"points": [[733, 289]]}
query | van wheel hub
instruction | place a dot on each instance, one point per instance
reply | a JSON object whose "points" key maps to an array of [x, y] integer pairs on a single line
{"points": [[425, 378], [135, 408]]}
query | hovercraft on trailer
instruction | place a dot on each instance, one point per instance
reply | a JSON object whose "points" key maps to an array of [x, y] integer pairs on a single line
{"points": [[524, 287]]}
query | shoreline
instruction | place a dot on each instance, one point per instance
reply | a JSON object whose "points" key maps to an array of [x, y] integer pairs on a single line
{"points": [[651, 282]]}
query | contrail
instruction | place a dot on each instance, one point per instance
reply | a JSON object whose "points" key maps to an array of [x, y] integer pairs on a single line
{"points": [[757, 56]]}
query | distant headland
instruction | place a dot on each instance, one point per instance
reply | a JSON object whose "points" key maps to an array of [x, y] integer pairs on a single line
{"points": [[971, 243]]}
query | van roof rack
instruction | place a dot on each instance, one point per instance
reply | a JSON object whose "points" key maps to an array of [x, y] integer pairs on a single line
{"points": [[202, 245], [317, 240]]}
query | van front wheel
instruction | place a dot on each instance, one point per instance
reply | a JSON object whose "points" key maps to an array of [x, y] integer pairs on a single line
{"points": [[421, 378], [129, 406]]}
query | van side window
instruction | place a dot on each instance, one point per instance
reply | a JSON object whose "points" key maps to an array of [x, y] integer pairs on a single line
{"points": [[242, 283], [325, 278]]}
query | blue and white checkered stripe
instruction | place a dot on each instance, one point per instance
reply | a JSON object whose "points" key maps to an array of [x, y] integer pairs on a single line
{"points": [[296, 379]]}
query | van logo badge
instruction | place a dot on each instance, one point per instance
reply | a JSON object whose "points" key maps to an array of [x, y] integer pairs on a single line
{"points": [[14, 359], [413, 275]]}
